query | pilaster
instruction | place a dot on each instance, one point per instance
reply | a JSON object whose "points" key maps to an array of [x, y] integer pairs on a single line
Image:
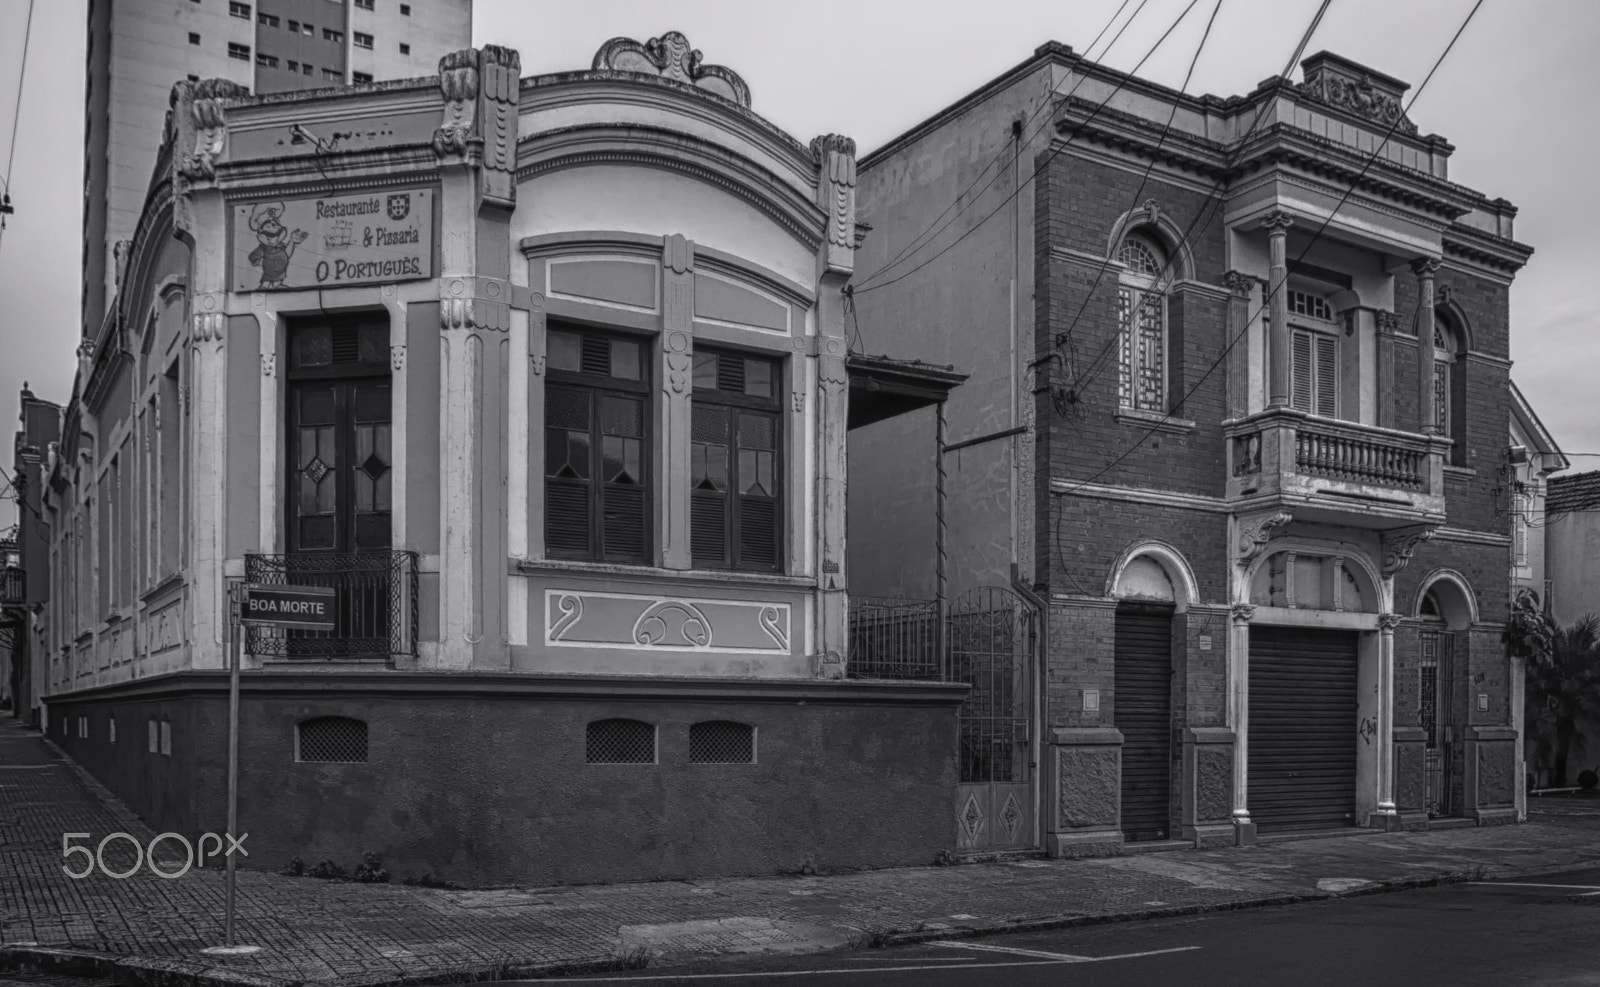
{"points": [[677, 375], [1238, 713], [836, 159], [1386, 816], [1239, 286], [1427, 409]]}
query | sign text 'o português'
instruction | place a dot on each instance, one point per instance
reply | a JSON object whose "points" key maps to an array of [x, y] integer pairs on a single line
{"points": [[308, 608], [333, 241]]}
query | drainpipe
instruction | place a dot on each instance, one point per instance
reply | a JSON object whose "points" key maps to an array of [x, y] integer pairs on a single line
{"points": [[939, 604]]}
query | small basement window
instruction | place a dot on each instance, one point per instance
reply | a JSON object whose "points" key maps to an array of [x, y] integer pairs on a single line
{"points": [[335, 739], [155, 737], [722, 742], [620, 742]]}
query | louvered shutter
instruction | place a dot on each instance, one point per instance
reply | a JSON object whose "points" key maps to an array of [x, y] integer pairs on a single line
{"points": [[1327, 376], [1301, 395]]}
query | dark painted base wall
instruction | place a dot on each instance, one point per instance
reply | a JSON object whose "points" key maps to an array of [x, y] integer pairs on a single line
{"points": [[470, 785]]}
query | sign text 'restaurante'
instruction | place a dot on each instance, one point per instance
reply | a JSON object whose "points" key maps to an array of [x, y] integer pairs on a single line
{"points": [[333, 241]]}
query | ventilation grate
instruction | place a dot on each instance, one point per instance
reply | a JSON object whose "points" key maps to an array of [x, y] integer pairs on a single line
{"points": [[722, 742], [333, 738], [620, 742]]}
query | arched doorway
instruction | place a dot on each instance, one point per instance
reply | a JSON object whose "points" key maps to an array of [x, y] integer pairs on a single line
{"points": [[1151, 587], [1444, 610]]}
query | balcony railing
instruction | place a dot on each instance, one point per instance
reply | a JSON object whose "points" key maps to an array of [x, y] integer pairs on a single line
{"points": [[1346, 455], [376, 604], [894, 639]]}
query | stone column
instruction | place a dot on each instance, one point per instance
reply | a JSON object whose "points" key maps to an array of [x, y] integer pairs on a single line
{"points": [[1385, 325], [1427, 412], [1388, 818], [836, 195], [1280, 363], [677, 375], [1239, 718]]}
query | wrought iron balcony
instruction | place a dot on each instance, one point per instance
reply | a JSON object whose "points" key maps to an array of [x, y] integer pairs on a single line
{"points": [[376, 605], [13, 586], [1335, 471]]}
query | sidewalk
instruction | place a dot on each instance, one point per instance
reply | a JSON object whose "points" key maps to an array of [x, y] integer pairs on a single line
{"points": [[343, 933]]}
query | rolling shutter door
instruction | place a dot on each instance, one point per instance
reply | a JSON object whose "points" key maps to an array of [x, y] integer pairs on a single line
{"points": [[1302, 729], [1143, 707]]}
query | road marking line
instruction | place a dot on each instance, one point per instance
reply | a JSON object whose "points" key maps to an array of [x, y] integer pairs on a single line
{"points": [[1587, 894], [1011, 950], [1150, 952], [1515, 884]]}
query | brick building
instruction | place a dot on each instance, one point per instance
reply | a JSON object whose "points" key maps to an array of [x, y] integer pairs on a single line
{"points": [[546, 379], [1238, 409]]}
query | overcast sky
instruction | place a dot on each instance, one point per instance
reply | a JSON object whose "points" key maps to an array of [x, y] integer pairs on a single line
{"points": [[1516, 97]]}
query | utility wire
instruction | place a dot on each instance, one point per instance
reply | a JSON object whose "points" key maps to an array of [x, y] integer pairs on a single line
{"points": [[863, 288], [16, 115], [1371, 159], [929, 231]]}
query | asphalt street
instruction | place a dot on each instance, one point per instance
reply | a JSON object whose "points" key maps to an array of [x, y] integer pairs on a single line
{"points": [[1531, 930]]}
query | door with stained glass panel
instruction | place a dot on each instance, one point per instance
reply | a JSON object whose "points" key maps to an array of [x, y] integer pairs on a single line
{"points": [[340, 475]]}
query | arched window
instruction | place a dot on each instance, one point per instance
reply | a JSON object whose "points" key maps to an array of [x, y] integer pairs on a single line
{"points": [[336, 739], [1449, 353], [1142, 323]]}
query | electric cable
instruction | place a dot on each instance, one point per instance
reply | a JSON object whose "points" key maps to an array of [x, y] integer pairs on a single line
{"points": [[1371, 159]]}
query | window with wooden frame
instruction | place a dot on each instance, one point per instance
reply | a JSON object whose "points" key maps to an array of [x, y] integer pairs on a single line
{"points": [[735, 471], [1449, 390], [1142, 324], [1314, 350], [597, 446]]}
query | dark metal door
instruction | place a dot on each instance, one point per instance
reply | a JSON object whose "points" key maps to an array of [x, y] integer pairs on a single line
{"points": [[1437, 719], [1143, 706], [992, 637], [1302, 728]]}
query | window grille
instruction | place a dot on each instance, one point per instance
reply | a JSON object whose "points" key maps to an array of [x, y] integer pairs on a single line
{"points": [[620, 742], [722, 742], [337, 739], [1142, 325], [1140, 257]]}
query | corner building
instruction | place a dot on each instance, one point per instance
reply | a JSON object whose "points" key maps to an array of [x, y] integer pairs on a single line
{"points": [[546, 377], [1238, 408]]}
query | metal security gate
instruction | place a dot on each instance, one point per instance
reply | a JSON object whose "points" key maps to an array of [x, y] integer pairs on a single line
{"points": [[1143, 704], [1436, 713], [1302, 728], [991, 637]]}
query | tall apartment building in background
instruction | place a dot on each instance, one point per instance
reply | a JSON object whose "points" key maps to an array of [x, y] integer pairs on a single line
{"points": [[138, 48]]}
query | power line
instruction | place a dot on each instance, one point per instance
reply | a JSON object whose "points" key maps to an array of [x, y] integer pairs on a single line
{"points": [[1371, 159], [863, 288], [16, 116], [917, 242], [1202, 218]]}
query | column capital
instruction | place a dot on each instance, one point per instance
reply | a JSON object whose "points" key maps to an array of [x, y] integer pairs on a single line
{"points": [[1388, 621], [1239, 283], [1426, 267], [1242, 613], [1277, 222]]}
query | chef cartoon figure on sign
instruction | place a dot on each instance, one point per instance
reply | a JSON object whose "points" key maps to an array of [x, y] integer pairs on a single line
{"points": [[276, 244]]}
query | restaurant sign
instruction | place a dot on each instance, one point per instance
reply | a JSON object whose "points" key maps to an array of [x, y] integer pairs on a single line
{"points": [[333, 241]]}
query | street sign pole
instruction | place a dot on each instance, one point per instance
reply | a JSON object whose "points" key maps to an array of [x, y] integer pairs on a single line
{"points": [[235, 643]]}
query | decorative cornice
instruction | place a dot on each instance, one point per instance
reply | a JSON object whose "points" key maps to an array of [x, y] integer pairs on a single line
{"points": [[1140, 495], [671, 57], [1400, 545], [201, 125]]}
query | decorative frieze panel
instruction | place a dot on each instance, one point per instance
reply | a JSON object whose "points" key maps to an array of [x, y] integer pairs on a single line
{"points": [[1213, 782], [1496, 773], [620, 282], [1088, 787], [726, 302], [583, 619], [163, 629]]}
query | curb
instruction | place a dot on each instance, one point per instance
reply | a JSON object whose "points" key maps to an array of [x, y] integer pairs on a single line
{"points": [[893, 938]]}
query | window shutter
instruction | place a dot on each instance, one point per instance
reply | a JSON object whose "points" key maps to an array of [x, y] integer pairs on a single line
{"points": [[758, 532], [566, 518], [1327, 376], [708, 529], [1300, 396], [624, 526]]}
